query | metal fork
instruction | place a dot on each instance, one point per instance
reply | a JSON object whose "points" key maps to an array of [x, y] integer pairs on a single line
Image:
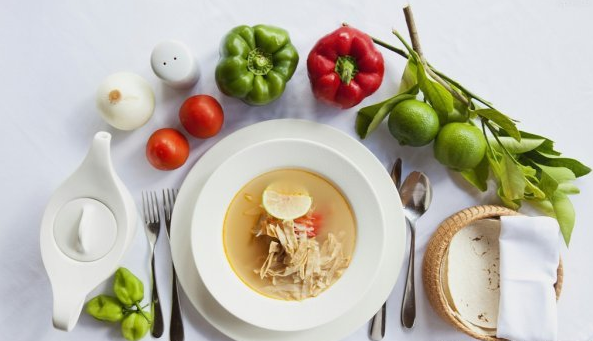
{"points": [[152, 220], [176, 331]]}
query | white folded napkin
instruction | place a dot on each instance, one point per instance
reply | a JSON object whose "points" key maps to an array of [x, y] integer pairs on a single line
{"points": [[529, 256]]}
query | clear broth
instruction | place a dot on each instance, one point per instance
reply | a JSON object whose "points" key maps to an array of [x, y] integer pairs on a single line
{"points": [[246, 253]]}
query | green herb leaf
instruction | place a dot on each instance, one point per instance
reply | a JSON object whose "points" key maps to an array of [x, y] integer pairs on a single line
{"points": [[525, 165], [556, 183], [552, 177], [501, 120], [436, 94], [568, 188], [545, 206], [564, 211], [511, 179], [532, 191], [409, 77], [460, 112], [547, 146], [440, 99], [478, 176], [549, 159], [514, 204], [514, 146], [369, 118]]}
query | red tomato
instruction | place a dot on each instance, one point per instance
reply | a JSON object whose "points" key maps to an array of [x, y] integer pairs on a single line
{"points": [[201, 116], [312, 220], [167, 149]]}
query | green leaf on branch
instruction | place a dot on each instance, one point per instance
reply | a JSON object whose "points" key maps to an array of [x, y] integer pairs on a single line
{"points": [[568, 188], [565, 214], [545, 206], [525, 166], [546, 155], [551, 160], [460, 112], [511, 179], [514, 146], [501, 120], [369, 118], [513, 204], [532, 191], [409, 77], [436, 94], [552, 177], [556, 182], [547, 146], [478, 176]]}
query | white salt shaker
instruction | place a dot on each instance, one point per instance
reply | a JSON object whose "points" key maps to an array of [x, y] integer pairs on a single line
{"points": [[173, 62]]}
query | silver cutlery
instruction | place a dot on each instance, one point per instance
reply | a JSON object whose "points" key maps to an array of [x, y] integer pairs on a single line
{"points": [[152, 220], [416, 195], [176, 330], [396, 173], [377, 329]]}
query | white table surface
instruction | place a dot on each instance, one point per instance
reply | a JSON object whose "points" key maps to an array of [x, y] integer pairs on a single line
{"points": [[533, 59]]}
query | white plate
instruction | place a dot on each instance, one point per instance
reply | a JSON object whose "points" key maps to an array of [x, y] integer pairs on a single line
{"points": [[207, 236], [395, 234]]}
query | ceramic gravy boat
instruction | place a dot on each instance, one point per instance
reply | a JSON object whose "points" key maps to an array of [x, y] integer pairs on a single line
{"points": [[86, 228]]}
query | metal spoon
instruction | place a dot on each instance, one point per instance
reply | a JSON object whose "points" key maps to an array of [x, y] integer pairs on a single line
{"points": [[416, 195], [377, 330]]}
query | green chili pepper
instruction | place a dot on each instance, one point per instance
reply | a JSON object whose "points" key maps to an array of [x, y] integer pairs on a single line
{"points": [[136, 325], [105, 308], [127, 287], [256, 63]]}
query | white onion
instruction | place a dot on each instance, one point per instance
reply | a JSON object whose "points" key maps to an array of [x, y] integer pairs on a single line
{"points": [[125, 100]]}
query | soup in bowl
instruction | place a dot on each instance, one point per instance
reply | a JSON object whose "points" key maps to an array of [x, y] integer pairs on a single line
{"points": [[287, 234]]}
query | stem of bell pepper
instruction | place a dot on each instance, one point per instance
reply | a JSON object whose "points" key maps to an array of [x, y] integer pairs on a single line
{"points": [[139, 310], [346, 68], [259, 62]]}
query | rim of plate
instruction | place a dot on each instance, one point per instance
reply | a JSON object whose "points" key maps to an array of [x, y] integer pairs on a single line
{"points": [[187, 273], [207, 234]]}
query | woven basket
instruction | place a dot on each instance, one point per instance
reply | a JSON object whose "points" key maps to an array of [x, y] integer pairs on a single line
{"points": [[437, 250]]}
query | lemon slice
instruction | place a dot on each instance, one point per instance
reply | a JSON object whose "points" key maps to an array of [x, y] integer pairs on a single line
{"points": [[286, 206]]}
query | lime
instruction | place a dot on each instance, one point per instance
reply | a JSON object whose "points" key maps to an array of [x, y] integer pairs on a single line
{"points": [[286, 206], [413, 123], [460, 146]]}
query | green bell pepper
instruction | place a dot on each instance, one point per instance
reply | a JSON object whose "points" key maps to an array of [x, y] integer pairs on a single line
{"points": [[256, 63]]}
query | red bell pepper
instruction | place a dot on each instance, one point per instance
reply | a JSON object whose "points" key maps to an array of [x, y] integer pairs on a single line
{"points": [[345, 67]]}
